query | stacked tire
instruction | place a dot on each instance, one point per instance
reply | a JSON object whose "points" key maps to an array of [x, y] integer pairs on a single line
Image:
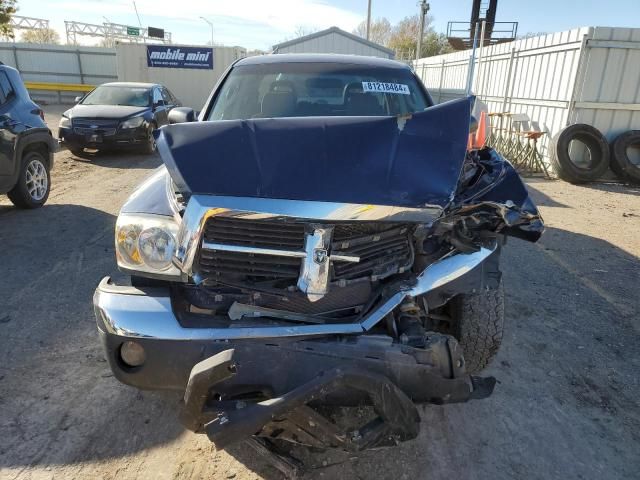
{"points": [[593, 141], [602, 156], [621, 164]]}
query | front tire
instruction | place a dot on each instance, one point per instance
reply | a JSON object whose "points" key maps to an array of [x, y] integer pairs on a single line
{"points": [[149, 146], [34, 182], [477, 322]]}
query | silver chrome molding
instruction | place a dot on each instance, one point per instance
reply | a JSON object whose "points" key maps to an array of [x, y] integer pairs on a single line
{"points": [[201, 207], [280, 252], [224, 247], [124, 312], [131, 313]]}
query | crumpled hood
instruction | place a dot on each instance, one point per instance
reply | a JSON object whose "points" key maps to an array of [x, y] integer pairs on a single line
{"points": [[412, 161]]}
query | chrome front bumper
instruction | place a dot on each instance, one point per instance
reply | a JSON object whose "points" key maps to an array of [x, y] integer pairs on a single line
{"points": [[146, 316], [129, 312]]}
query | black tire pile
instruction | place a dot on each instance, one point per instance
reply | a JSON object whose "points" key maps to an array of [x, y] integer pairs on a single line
{"points": [[602, 155]]}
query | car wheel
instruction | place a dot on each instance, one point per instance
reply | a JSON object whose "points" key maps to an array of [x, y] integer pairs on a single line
{"points": [[34, 182], [477, 322], [150, 145]]}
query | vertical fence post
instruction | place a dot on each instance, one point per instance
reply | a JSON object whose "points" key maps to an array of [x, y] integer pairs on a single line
{"points": [[513, 83], [480, 52], [441, 80], [486, 76], [472, 60], [80, 66], [576, 81], [509, 73], [15, 56]]}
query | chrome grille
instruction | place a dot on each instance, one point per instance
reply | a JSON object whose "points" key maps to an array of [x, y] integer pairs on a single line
{"points": [[383, 249], [216, 264], [90, 126], [382, 253], [255, 233], [100, 122]]}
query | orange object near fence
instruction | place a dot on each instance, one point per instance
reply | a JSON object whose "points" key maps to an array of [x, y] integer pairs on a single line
{"points": [[479, 137]]}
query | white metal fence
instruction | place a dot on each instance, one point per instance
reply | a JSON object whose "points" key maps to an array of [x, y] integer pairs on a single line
{"points": [[586, 75], [60, 64]]}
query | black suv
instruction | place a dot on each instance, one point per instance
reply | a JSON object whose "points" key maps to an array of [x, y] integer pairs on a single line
{"points": [[26, 144]]}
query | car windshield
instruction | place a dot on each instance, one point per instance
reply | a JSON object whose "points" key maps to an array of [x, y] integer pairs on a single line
{"points": [[317, 89], [119, 95]]}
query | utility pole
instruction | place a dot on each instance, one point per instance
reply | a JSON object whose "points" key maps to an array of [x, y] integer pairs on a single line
{"points": [[368, 20], [137, 14], [211, 26], [424, 8]]}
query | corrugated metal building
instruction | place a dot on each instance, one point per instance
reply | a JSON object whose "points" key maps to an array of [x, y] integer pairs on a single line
{"points": [[333, 40], [191, 86], [587, 75]]}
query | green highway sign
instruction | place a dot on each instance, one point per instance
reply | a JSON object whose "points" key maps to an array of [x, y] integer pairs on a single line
{"points": [[135, 31]]}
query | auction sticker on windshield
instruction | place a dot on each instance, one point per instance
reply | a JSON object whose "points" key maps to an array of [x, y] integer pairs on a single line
{"points": [[386, 87]]}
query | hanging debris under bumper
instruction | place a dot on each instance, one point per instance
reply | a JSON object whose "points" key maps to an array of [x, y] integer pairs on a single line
{"points": [[231, 396]]}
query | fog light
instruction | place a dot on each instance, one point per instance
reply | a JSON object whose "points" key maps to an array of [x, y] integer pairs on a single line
{"points": [[132, 354]]}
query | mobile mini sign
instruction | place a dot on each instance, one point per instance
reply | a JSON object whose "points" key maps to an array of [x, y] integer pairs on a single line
{"points": [[179, 57]]}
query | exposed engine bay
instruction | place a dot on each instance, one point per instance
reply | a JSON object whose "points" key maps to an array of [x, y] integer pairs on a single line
{"points": [[259, 267]]}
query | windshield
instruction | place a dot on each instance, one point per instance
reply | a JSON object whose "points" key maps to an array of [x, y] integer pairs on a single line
{"points": [[317, 89], [119, 95]]}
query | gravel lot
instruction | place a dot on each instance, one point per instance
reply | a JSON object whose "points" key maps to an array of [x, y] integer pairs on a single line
{"points": [[566, 405]]}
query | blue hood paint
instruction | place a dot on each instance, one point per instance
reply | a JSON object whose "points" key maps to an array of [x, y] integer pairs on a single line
{"points": [[413, 161]]}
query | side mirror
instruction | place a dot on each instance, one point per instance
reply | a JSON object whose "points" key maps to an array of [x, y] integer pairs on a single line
{"points": [[182, 115], [473, 124], [78, 98]]}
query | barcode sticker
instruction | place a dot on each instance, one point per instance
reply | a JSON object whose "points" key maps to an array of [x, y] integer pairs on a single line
{"points": [[382, 87]]}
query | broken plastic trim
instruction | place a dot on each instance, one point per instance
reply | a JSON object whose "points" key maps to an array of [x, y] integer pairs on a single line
{"points": [[209, 403]]}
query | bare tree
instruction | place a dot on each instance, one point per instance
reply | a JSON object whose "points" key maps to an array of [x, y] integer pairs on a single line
{"points": [[404, 38], [532, 34], [379, 33], [303, 31], [256, 51], [435, 44], [41, 35], [107, 42], [300, 31], [7, 9]]}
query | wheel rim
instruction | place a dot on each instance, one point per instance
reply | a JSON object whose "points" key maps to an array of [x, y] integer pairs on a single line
{"points": [[37, 180]]}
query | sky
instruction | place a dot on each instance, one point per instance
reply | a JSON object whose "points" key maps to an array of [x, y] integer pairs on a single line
{"points": [[259, 24]]}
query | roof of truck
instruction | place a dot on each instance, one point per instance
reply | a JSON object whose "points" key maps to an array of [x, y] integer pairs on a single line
{"points": [[130, 84], [321, 58]]}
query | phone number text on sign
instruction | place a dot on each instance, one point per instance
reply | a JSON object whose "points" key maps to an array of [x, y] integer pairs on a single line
{"points": [[386, 87]]}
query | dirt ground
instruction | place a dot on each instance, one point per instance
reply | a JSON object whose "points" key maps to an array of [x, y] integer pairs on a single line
{"points": [[566, 405]]}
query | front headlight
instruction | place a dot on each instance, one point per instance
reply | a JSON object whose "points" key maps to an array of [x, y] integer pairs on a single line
{"points": [[64, 122], [146, 243], [134, 122]]}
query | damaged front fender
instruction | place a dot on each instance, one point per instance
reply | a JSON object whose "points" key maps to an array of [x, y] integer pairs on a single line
{"points": [[491, 185]]}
